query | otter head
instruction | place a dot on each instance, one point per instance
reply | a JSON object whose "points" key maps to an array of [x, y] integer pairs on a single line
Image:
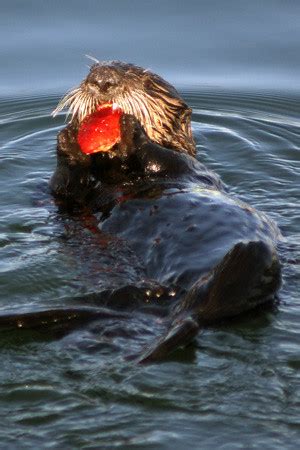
{"points": [[156, 104]]}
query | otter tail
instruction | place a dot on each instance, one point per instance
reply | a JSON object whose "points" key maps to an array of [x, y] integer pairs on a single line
{"points": [[248, 276]]}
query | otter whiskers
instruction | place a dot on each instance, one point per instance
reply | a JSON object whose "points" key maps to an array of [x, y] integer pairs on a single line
{"points": [[79, 103], [164, 116]]}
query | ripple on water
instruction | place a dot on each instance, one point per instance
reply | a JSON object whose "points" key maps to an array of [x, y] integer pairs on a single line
{"points": [[238, 387]]}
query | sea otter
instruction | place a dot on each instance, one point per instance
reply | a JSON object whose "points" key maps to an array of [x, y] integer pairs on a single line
{"points": [[217, 253]]}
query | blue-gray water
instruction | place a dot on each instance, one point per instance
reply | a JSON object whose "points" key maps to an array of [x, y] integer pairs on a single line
{"points": [[237, 65]]}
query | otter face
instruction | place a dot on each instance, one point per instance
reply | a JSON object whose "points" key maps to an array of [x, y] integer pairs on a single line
{"points": [[104, 82], [154, 102]]}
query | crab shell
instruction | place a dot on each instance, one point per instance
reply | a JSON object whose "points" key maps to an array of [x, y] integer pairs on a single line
{"points": [[100, 131]]}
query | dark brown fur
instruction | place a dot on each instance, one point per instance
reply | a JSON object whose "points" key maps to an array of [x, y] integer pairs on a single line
{"points": [[172, 213]]}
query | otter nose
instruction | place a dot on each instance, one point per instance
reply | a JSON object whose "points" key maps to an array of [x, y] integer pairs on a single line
{"points": [[105, 79]]}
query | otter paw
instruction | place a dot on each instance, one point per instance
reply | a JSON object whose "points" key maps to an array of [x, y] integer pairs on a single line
{"points": [[68, 147], [132, 134]]}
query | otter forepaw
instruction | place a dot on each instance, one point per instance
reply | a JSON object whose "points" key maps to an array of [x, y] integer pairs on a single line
{"points": [[68, 147], [132, 135]]}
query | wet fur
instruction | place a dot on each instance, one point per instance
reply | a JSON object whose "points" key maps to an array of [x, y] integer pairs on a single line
{"points": [[156, 104], [216, 253]]}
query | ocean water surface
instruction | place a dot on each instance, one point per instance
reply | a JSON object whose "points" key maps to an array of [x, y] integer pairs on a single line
{"points": [[238, 386]]}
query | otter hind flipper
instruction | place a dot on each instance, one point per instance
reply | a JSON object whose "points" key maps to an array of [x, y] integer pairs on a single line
{"points": [[248, 276], [179, 334]]}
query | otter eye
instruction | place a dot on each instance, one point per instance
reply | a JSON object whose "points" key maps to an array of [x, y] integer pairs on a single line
{"points": [[106, 85]]}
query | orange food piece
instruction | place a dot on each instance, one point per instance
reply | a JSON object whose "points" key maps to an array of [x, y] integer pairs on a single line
{"points": [[100, 131]]}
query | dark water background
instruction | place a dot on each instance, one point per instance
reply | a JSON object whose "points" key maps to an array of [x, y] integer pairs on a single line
{"points": [[237, 64]]}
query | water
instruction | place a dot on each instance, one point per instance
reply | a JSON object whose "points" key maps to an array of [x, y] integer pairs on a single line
{"points": [[238, 387]]}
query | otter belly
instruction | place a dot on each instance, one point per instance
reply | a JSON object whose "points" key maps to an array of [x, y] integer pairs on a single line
{"points": [[181, 234]]}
